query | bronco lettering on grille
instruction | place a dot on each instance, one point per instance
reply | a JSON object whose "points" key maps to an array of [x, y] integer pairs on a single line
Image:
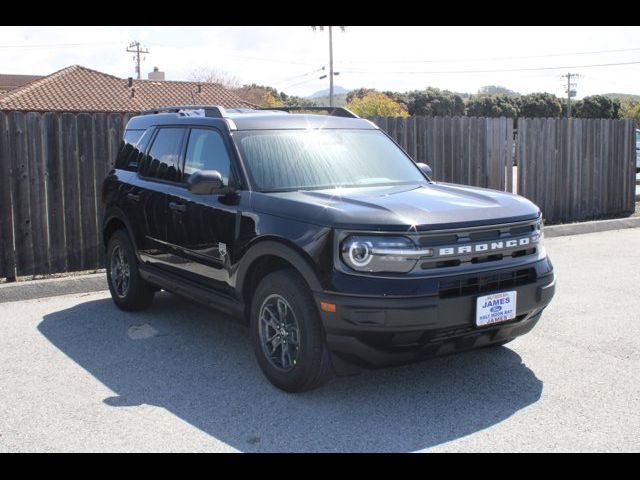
{"points": [[486, 247]]}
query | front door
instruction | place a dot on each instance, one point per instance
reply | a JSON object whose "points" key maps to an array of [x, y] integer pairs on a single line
{"points": [[202, 227]]}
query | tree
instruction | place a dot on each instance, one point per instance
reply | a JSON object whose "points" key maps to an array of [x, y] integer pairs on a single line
{"points": [[259, 95], [631, 109], [492, 106], [213, 75], [434, 102], [359, 93], [539, 105], [597, 106], [496, 90], [376, 104], [294, 101]]}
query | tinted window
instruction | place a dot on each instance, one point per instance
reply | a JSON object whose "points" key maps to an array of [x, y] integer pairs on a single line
{"points": [[132, 136], [206, 151], [308, 159], [163, 160]]}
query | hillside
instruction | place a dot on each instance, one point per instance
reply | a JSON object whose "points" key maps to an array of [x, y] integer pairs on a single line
{"points": [[337, 90], [338, 100], [622, 96]]}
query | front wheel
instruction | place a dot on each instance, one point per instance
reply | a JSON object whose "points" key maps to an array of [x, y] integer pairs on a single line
{"points": [[128, 289], [286, 333]]}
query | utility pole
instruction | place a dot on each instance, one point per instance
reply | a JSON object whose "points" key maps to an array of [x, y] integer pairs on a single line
{"points": [[570, 92], [134, 47], [331, 72], [330, 66]]}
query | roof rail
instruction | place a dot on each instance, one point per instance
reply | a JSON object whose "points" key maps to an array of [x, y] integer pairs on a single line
{"points": [[209, 110], [333, 111]]}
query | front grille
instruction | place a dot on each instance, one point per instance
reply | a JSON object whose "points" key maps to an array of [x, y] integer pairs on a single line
{"points": [[478, 245], [486, 283]]}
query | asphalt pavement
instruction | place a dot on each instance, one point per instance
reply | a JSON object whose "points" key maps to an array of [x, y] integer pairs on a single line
{"points": [[77, 374]]}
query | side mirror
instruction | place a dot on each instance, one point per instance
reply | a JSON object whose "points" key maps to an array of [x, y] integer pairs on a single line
{"points": [[426, 169], [205, 182]]}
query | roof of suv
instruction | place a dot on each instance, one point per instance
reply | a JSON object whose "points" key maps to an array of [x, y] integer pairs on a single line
{"points": [[251, 119]]}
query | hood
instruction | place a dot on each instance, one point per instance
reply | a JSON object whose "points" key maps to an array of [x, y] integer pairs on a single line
{"points": [[407, 207]]}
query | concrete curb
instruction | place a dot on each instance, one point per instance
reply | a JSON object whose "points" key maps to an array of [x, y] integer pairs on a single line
{"points": [[51, 287], [591, 227]]}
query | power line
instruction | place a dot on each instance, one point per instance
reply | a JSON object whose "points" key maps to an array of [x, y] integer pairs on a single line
{"points": [[296, 77], [452, 60], [435, 72], [244, 57], [56, 45], [300, 83]]}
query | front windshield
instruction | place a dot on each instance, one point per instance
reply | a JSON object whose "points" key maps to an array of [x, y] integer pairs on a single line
{"points": [[314, 159]]}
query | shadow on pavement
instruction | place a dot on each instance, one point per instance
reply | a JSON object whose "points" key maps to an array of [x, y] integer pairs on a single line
{"points": [[201, 368]]}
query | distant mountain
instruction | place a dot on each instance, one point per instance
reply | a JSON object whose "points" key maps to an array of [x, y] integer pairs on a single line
{"points": [[337, 90], [338, 100], [622, 96]]}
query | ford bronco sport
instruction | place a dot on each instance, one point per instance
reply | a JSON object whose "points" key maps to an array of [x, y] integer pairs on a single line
{"points": [[322, 234]]}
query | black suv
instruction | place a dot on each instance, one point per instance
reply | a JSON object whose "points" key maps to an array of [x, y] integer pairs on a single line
{"points": [[322, 234]]}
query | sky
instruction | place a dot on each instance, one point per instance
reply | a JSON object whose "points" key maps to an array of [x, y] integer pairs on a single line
{"points": [[387, 58]]}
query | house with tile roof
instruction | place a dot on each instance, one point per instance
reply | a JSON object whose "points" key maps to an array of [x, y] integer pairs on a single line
{"points": [[80, 89], [10, 82]]}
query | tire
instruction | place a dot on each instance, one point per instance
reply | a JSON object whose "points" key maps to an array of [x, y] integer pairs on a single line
{"points": [[134, 293], [309, 363]]}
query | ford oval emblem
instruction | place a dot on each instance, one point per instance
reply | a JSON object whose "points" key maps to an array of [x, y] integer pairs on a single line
{"points": [[496, 309]]}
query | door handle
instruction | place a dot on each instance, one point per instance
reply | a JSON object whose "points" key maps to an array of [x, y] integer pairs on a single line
{"points": [[133, 197], [177, 207]]}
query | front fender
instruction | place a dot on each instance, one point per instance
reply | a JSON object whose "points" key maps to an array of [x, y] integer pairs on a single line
{"points": [[278, 249]]}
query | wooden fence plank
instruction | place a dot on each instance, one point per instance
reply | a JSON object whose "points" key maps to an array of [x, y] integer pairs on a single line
{"points": [[7, 260], [72, 195], [55, 192], [21, 194], [411, 141], [102, 166], [37, 192], [87, 182], [421, 155]]}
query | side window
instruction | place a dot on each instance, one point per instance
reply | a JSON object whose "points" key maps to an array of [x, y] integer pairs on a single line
{"points": [[132, 136], [163, 159], [131, 149], [206, 151]]}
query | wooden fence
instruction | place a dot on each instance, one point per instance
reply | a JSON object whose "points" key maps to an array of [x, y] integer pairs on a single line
{"points": [[52, 166], [577, 169], [467, 150], [51, 169]]}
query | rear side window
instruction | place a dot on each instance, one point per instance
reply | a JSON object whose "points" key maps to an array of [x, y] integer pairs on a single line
{"points": [[163, 160], [206, 151], [133, 136], [129, 153]]}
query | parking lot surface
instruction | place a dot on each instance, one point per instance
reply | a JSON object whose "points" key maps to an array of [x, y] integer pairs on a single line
{"points": [[77, 374]]}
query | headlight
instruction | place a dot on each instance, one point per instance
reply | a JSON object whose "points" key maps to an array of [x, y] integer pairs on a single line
{"points": [[381, 254], [539, 229]]}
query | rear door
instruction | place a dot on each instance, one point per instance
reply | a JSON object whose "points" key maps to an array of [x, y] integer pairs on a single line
{"points": [[159, 172], [202, 227]]}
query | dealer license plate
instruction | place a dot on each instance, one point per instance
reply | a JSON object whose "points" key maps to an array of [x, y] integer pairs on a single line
{"points": [[495, 308]]}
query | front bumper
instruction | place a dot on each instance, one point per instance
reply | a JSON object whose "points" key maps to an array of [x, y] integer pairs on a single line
{"points": [[368, 331]]}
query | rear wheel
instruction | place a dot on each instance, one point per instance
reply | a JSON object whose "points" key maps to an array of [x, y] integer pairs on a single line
{"points": [[128, 290], [286, 333]]}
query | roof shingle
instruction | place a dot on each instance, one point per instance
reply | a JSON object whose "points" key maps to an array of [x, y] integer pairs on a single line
{"points": [[81, 89]]}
